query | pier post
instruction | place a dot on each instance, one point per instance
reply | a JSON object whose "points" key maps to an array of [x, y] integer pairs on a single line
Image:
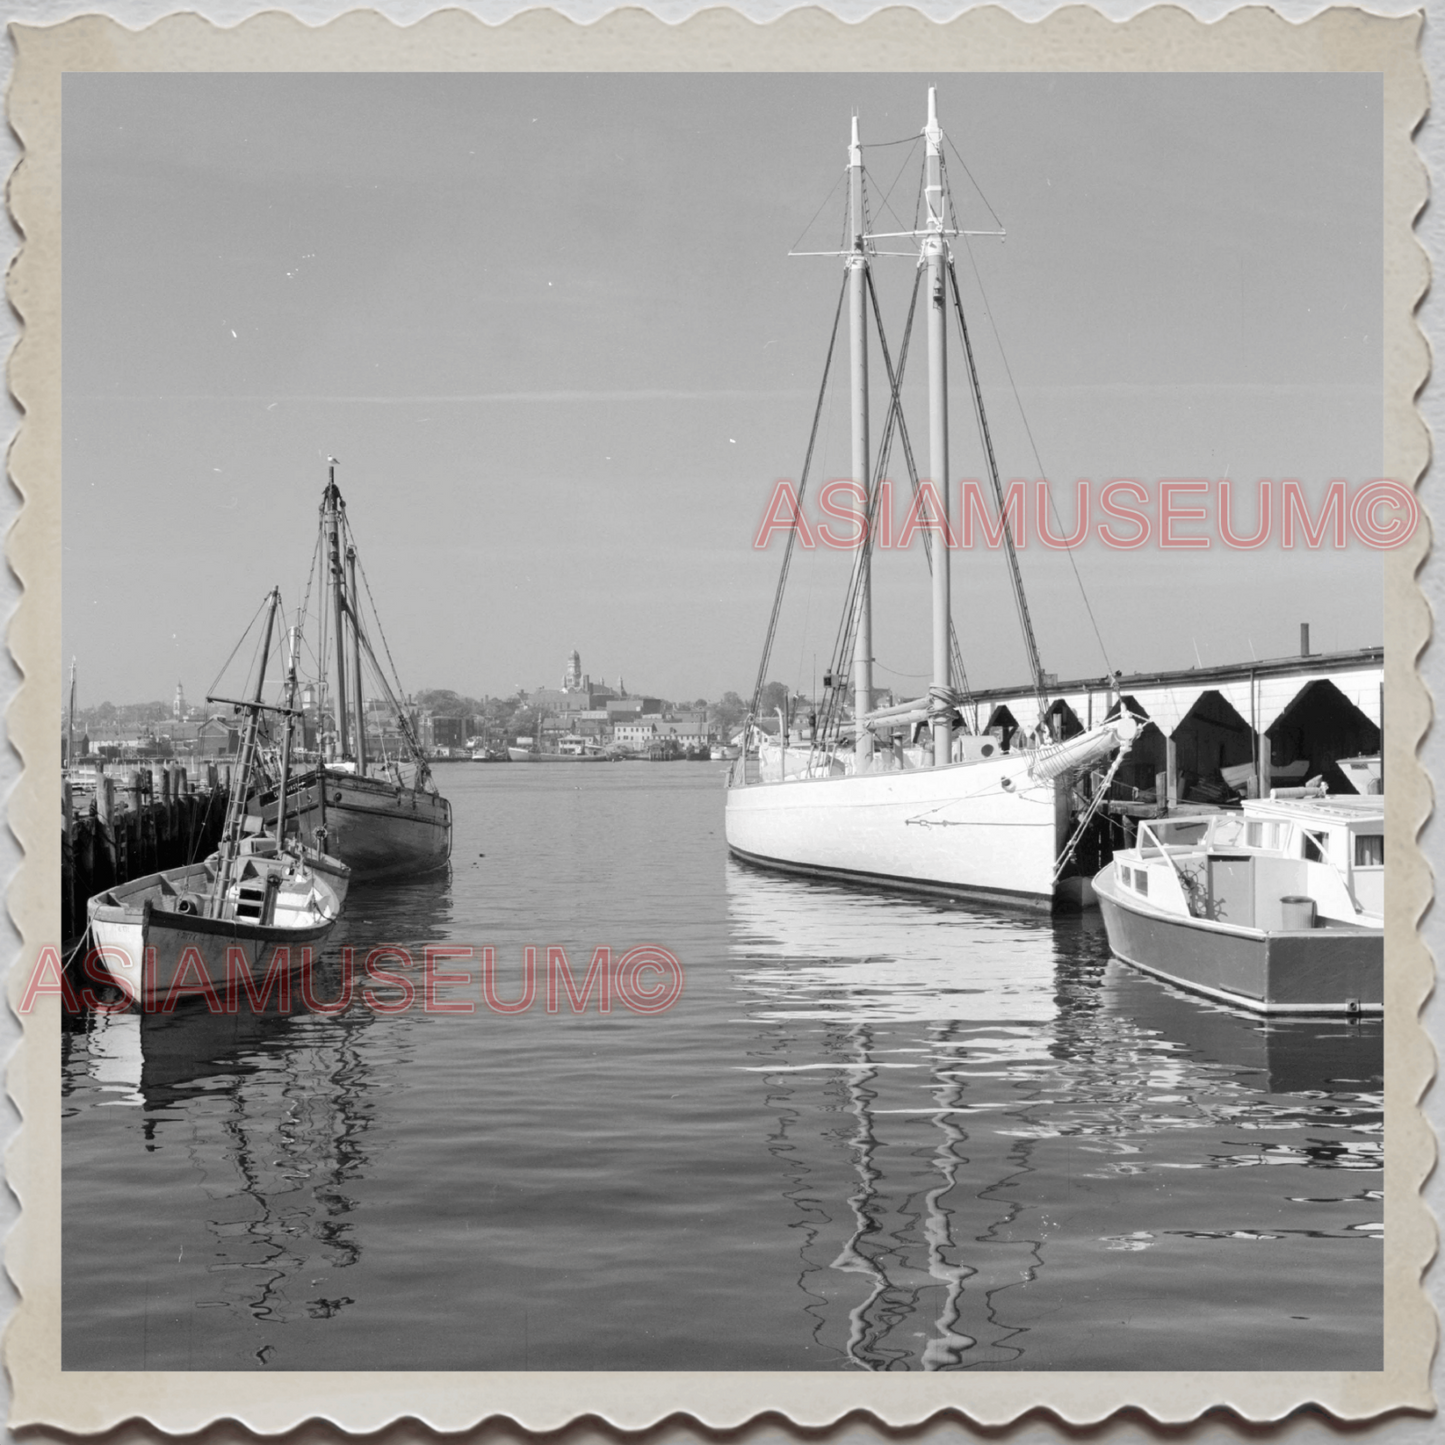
{"points": [[164, 795], [1171, 765], [211, 777], [105, 820], [67, 810]]}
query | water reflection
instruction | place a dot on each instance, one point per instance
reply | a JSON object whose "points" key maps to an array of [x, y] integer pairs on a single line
{"points": [[978, 1082], [274, 1112]]}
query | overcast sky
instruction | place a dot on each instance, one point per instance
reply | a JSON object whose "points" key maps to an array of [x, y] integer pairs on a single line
{"points": [[550, 328]]}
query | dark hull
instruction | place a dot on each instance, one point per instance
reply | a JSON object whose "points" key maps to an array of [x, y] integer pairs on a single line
{"points": [[377, 830], [1318, 970]]}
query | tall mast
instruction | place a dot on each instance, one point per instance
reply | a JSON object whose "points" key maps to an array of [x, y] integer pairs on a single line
{"points": [[293, 646], [858, 337], [360, 720], [70, 722], [935, 256], [332, 521], [241, 785]]}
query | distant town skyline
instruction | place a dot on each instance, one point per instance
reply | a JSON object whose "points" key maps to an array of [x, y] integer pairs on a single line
{"points": [[550, 327]]}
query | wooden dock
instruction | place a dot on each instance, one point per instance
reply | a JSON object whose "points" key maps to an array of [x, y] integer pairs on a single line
{"points": [[135, 821]]}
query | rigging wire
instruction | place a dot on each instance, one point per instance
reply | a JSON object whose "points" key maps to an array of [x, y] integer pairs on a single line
{"points": [[239, 642], [1021, 604], [1033, 446], [403, 721], [840, 666], [893, 185], [802, 487], [896, 385], [817, 213], [970, 175]]}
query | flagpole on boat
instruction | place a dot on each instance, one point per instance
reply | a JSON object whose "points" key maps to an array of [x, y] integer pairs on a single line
{"points": [[858, 338], [935, 256]]}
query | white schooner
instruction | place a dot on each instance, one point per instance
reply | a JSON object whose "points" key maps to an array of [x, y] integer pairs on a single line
{"points": [[905, 796]]}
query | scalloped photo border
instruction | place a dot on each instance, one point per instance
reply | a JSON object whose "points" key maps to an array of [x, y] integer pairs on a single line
{"points": [[1074, 39]]}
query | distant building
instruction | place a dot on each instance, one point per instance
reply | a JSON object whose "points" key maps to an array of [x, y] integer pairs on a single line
{"points": [[689, 728], [623, 708], [577, 694]]}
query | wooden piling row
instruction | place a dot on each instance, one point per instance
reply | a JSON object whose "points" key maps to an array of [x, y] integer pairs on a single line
{"points": [[140, 821]]}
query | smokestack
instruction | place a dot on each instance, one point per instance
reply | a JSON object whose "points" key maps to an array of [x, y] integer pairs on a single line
{"points": [[1304, 639]]}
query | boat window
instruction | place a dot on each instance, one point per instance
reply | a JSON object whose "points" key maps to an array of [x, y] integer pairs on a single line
{"points": [[1316, 846], [1141, 880], [1254, 835], [1369, 850], [1127, 874]]}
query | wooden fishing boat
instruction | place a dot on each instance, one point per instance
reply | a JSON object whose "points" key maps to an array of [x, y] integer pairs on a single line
{"points": [[1277, 908], [382, 816], [176, 933]]}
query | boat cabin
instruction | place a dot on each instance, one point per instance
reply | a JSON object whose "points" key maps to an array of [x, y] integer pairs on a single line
{"points": [[1279, 864]]}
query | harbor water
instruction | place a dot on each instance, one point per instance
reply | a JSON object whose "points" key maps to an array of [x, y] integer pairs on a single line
{"points": [[871, 1134]]}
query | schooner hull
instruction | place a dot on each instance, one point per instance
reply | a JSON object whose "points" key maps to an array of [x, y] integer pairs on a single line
{"points": [[379, 831], [955, 832]]}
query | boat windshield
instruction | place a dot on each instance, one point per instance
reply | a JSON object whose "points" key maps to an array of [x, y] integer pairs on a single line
{"points": [[1214, 830]]}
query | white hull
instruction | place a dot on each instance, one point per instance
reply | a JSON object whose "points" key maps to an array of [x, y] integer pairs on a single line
{"points": [[956, 832], [155, 952]]}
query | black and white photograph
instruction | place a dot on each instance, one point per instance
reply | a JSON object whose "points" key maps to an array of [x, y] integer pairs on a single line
{"points": [[723, 722]]}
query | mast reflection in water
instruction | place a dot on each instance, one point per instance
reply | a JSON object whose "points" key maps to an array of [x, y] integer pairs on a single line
{"points": [[1005, 1150], [871, 1135]]}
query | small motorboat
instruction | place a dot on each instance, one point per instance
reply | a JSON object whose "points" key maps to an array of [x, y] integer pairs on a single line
{"points": [[1278, 908]]}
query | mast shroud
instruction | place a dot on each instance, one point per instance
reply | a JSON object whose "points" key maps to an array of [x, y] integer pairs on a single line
{"points": [[360, 719]]}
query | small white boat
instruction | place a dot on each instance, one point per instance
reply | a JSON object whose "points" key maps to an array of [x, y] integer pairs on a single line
{"points": [[1278, 908], [175, 934], [570, 749], [168, 934]]}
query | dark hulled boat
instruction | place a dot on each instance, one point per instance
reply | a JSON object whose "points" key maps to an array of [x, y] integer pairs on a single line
{"points": [[382, 816]]}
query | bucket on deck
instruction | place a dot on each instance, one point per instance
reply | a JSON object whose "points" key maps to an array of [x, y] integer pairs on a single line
{"points": [[1296, 913]]}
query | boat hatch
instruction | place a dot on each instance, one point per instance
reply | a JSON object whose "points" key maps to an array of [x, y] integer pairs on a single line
{"points": [[255, 899]]}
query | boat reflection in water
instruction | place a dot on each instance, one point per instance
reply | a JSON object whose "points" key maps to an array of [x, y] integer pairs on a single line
{"points": [[287, 1100], [984, 1123]]}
